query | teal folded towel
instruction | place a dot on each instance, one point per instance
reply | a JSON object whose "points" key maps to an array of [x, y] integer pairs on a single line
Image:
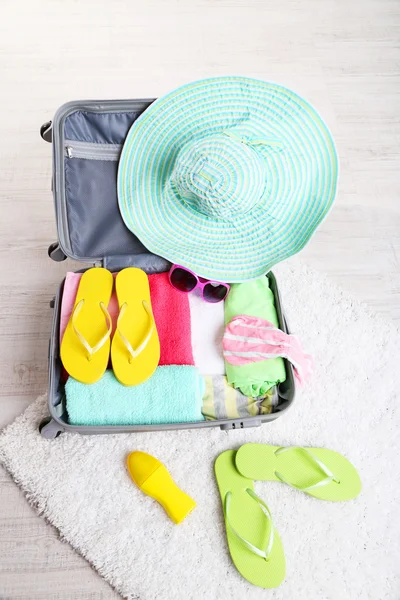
{"points": [[172, 395]]}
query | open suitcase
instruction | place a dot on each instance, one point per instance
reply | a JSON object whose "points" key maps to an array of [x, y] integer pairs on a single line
{"points": [[87, 138]]}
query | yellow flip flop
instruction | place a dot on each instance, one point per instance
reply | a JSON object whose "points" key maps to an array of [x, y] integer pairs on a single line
{"points": [[85, 347], [135, 349]]}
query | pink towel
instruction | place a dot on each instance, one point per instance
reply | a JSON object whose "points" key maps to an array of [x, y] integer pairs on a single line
{"points": [[250, 339], [171, 314]]}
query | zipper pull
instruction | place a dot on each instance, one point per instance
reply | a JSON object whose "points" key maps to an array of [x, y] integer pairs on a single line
{"points": [[68, 151]]}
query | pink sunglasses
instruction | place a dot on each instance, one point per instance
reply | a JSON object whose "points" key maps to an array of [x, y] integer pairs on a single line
{"points": [[186, 281]]}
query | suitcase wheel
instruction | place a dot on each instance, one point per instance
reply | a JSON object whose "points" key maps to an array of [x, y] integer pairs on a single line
{"points": [[46, 132], [49, 429], [55, 252]]}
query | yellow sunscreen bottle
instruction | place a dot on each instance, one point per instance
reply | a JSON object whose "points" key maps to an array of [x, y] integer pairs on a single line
{"points": [[152, 477]]}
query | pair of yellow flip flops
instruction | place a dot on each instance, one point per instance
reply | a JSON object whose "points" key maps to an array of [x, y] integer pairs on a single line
{"points": [[135, 347], [254, 543]]}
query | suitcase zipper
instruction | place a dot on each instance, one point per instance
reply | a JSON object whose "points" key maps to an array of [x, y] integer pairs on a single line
{"points": [[92, 151]]}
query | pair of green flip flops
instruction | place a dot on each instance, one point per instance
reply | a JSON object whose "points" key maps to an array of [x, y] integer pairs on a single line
{"points": [[254, 543]]}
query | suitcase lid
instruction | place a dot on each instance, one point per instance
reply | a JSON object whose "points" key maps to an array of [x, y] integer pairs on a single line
{"points": [[87, 141]]}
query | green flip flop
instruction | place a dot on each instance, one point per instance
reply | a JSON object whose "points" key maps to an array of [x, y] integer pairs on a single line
{"points": [[254, 544], [322, 473]]}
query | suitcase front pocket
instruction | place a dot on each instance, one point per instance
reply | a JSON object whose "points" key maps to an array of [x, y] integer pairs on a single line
{"points": [[92, 151], [95, 226]]}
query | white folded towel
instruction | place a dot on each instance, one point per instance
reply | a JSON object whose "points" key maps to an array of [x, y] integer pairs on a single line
{"points": [[207, 323]]}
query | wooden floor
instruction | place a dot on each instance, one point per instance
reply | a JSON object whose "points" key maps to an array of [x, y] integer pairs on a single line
{"points": [[343, 55]]}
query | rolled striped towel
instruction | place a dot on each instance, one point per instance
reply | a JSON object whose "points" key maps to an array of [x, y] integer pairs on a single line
{"points": [[223, 401], [250, 339]]}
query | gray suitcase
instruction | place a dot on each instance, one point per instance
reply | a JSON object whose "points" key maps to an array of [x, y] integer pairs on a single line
{"points": [[87, 138]]}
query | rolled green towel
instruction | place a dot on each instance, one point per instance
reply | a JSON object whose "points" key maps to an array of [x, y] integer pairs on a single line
{"points": [[172, 395], [256, 299]]}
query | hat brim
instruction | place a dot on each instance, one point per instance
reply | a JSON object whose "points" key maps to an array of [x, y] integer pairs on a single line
{"points": [[300, 187]]}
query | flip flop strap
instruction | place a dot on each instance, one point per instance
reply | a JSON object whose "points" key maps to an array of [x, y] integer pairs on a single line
{"points": [[134, 353], [329, 475], [91, 349], [262, 553]]}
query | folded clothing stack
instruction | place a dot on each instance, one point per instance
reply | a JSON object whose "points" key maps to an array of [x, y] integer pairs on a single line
{"points": [[177, 392]]}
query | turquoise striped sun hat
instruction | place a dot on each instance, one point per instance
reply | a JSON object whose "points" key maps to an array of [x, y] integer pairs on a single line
{"points": [[227, 176]]}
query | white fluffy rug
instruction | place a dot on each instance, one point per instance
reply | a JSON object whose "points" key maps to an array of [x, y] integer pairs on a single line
{"points": [[333, 551]]}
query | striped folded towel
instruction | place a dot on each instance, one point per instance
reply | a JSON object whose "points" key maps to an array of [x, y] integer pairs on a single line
{"points": [[222, 401]]}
